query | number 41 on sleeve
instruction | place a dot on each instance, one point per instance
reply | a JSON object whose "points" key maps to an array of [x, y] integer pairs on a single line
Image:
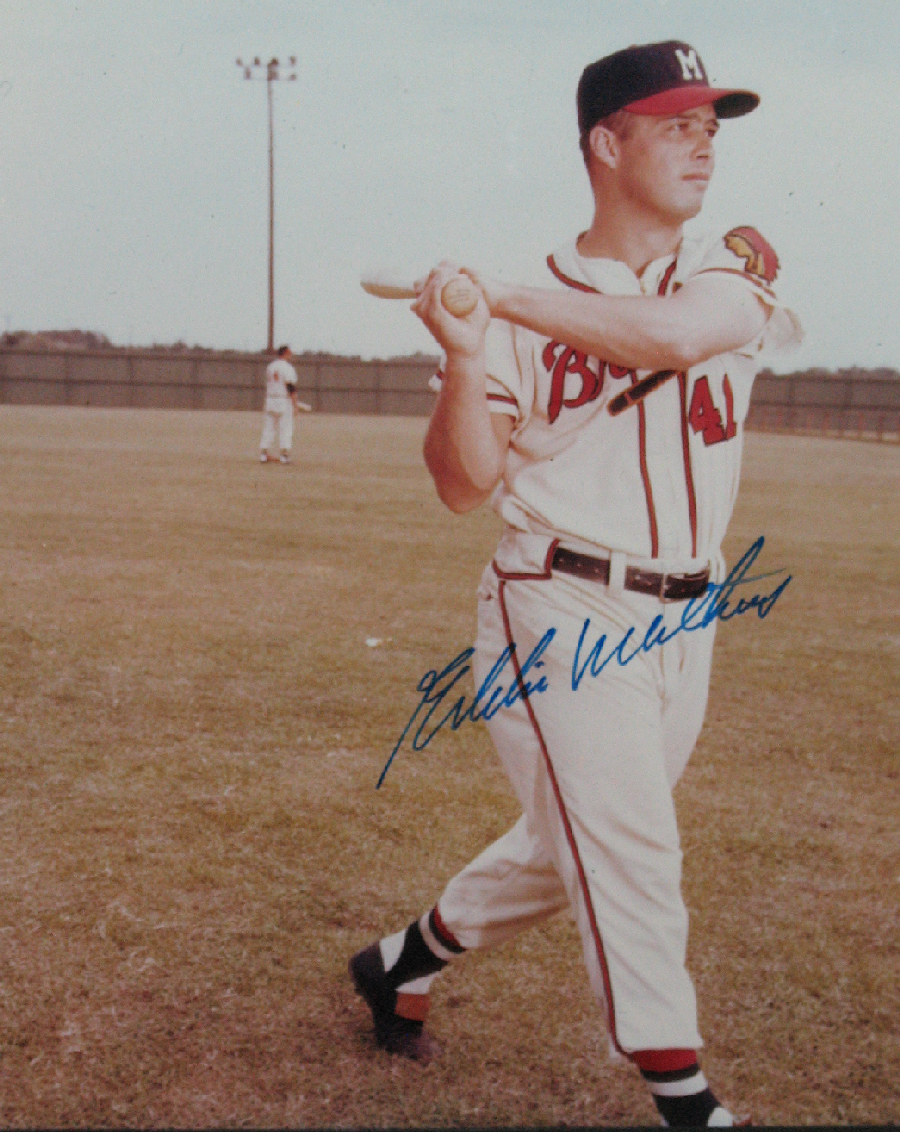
{"points": [[706, 418]]}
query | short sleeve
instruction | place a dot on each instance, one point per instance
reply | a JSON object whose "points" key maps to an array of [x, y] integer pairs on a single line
{"points": [[504, 372], [745, 253]]}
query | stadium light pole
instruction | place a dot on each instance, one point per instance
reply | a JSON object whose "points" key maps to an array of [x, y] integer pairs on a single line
{"points": [[271, 72]]}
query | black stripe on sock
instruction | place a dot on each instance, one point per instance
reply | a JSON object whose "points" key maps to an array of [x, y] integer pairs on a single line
{"points": [[691, 1111], [415, 960]]}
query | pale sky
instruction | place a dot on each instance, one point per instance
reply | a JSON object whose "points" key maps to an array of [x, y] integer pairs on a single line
{"points": [[133, 167]]}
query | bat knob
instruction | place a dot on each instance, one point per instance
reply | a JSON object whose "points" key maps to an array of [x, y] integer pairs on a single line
{"points": [[459, 296]]}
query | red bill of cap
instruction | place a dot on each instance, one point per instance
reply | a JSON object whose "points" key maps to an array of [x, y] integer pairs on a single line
{"points": [[727, 103]]}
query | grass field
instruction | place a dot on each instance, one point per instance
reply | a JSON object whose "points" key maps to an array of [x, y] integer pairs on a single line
{"points": [[192, 725]]}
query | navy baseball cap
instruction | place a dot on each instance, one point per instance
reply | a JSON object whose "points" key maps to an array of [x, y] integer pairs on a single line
{"points": [[654, 78]]}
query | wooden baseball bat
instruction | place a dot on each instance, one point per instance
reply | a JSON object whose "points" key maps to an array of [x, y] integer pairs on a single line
{"points": [[459, 295]]}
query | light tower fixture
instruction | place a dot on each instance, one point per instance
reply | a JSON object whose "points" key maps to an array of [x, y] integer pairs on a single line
{"points": [[271, 72]]}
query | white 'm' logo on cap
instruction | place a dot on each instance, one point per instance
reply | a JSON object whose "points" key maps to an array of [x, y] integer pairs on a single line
{"points": [[690, 65]]}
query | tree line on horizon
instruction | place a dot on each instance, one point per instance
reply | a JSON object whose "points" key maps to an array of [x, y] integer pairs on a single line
{"points": [[91, 340]]}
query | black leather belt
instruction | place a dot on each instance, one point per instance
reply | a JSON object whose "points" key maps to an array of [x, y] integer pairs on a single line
{"points": [[667, 587]]}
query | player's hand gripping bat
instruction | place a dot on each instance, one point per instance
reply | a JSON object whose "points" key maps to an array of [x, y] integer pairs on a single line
{"points": [[459, 295]]}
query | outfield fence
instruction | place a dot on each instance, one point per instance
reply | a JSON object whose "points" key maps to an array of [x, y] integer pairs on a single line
{"points": [[864, 405], [855, 403], [205, 380]]}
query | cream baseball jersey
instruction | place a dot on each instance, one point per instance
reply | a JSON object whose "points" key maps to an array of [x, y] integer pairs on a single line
{"points": [[659, 479], [279, 375]]}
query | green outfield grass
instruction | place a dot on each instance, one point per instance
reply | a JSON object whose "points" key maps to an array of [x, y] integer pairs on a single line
{"points": [[192, 726]]}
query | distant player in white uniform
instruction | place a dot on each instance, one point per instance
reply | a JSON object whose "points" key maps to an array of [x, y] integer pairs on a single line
{"points": [[615, 492], [281, 404]]}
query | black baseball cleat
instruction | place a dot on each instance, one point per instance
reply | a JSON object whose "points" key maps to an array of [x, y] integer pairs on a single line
{"points": [[394, 1033], [721, 1118]]}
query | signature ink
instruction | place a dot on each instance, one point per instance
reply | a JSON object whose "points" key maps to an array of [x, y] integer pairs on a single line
{"points": [[698, 613], [490, 697], [501, 689]]}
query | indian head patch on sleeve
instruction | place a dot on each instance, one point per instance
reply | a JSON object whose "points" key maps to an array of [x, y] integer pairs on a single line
{"points": [[758, 255]]}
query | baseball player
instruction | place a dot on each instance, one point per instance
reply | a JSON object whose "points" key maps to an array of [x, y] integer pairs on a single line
{"points": [[281, 404], [615, 492]]}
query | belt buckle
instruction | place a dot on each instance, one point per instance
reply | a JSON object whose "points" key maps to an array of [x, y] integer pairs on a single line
{"points": [[664, 579], [683, 577]]}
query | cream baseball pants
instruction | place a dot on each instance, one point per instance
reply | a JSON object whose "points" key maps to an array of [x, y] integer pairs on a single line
{"points": [[593, 769], [281, 421]]}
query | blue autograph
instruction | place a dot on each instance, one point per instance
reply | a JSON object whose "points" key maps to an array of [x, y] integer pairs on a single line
{"points": [[698, 613], [488, 699], [499, 689]]}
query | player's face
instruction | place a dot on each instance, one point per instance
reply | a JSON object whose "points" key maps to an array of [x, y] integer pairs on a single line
{"points": [[666, 163]]}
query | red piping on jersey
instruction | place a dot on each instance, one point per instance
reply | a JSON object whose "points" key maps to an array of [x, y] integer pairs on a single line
{"points": [[642, 435], [685, 435], [688, 472], [569, 282], [731, 424], [664, 282], [567, 826], [642, 419], [525, 576], [491, 396], [645, 474]]}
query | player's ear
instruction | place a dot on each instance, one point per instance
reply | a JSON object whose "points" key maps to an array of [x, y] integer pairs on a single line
{"points": [[604, 145]]}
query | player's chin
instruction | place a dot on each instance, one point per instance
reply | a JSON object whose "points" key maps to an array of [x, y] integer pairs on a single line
{"points": [[695, 189], [689, 203]]}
